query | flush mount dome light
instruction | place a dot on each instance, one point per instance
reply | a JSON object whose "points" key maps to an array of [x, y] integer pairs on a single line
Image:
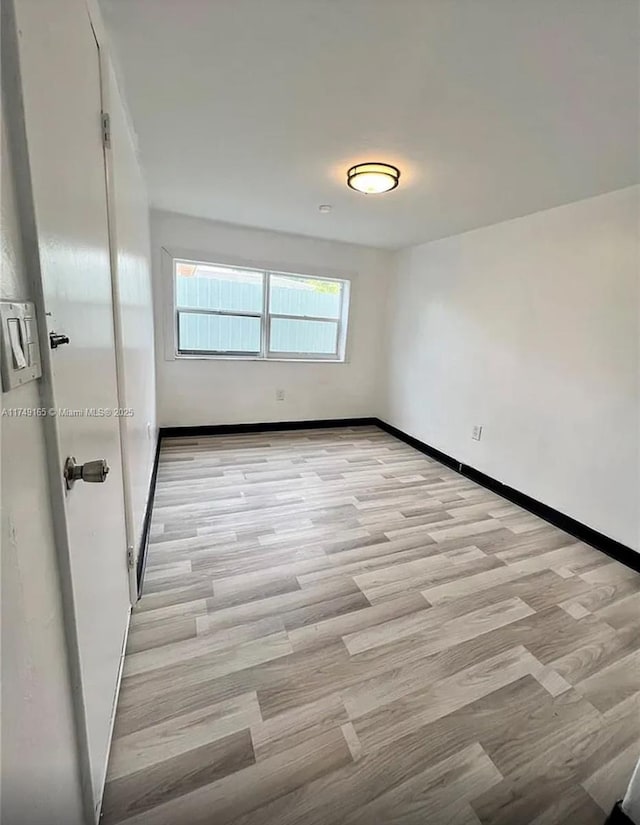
{"points": [[373, 178]]}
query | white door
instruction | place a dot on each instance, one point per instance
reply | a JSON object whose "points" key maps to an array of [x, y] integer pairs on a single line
{"points": [[129, 231], [60, 68]]}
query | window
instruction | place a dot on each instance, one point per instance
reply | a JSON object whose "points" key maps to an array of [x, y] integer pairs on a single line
{"points": [[235, 312]]}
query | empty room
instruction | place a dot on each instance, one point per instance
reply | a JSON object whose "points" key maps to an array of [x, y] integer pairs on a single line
{"points": [[320, 421]]}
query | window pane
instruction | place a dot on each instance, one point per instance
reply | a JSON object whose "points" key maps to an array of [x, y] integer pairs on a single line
{"points": [[312, 297], [218, 333], [207, 286], [313, 337]]}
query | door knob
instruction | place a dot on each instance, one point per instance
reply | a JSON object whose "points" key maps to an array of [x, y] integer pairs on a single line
{"points": [[92, 471]]}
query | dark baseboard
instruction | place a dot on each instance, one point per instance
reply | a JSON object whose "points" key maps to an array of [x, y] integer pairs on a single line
{"points": [[611, 547], [146, 524], [618, 816], [270, 426], [443, 458]]}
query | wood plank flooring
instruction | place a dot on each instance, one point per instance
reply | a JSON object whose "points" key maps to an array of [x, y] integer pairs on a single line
{"points": [[338, 629]]}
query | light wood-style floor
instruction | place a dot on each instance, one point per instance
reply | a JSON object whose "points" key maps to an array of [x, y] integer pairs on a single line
{"points": [[338, 629]]}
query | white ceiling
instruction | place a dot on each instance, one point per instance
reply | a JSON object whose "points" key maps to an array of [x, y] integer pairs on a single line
{"points": [[251, 111]]}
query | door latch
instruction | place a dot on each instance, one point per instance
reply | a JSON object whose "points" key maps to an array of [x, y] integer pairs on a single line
{"points": [[55, 339], [91, 471]]}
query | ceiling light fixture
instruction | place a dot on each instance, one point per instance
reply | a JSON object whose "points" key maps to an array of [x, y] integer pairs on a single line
{"points": [[325, 208], [373, 178]]}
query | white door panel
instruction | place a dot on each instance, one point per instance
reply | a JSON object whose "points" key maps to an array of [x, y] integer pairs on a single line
{"points": [[60, 70], [129, 228]]}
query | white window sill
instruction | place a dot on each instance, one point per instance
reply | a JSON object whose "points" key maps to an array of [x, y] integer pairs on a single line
{"points": [[180, 357]]}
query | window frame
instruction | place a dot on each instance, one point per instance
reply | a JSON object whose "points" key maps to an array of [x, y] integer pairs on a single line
{"points": [[225, 314], [265, 316]]}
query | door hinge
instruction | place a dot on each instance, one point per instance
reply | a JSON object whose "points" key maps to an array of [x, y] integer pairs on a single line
{"points": [[106, 130], [130, 558]]}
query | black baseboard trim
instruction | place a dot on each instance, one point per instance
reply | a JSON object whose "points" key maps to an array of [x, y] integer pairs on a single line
{"points": [[270, 426], [611, 547], [427, 449], [146, 524], [618, 816]]}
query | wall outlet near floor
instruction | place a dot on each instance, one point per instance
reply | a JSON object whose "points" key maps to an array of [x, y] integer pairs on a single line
{"points": [[279, 395], [476, 432]]}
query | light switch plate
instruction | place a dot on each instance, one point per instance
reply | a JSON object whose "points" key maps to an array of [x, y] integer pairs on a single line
{"points": [[20, 361]]}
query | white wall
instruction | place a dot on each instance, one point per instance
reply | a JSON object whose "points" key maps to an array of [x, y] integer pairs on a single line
{"points": [[192, 392], [40, 778], [529, 328]]}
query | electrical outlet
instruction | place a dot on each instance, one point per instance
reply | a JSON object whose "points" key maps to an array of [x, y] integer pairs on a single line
{"points": [[476, 432], [279, 395]]}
